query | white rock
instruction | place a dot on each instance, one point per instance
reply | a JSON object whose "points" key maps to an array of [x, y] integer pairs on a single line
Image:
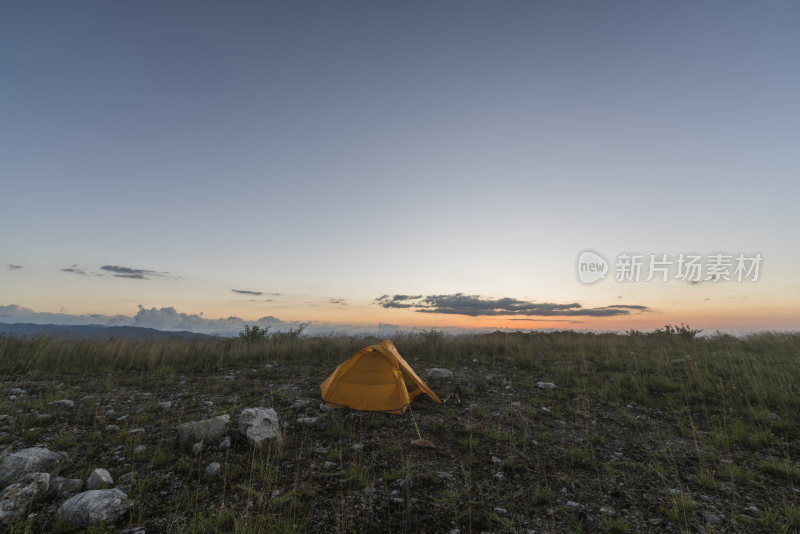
{"points": [[27, 461], [17, 498], [545, 385], [500, 511], [211, 430], [166, 405], [63, 403], [213, 469], [260, 425], [197, 448], [225, 444], [94, 506], [139, 450], [100, 478]]}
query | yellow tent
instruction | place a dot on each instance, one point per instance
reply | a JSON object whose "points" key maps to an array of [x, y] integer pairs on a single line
{"points": [[377, 379]]}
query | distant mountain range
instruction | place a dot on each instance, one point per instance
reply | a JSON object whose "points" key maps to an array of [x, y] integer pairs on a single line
{"points": [[93, 331]]}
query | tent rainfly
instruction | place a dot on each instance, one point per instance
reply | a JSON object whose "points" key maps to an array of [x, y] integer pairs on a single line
{"points": [[376, 379]]}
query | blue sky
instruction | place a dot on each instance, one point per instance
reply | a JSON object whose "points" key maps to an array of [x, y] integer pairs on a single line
{"points": [[335, 152]]}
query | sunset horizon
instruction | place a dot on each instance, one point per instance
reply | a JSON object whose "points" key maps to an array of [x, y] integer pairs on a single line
{"points": [[314, 165]]}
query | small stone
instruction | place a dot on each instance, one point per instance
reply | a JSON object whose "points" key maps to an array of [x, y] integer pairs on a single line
{"points": [[65, 486], [212, 430], [545, 385], [322, 450], [307, 420], [563, 491], [197, 448], [63, 403], [110, 412], [128, 477], [213, 469], [140, 450], [166, 405], [499, 476], [225, 444], [18, 392], [299, 403], [329, 465], [276, 493], [573, 504], [709, 518], [324, 407], [122, 418], [438, 373], [94, 506], [608, 510], [500, 511], [112, 428], [496, 460], [99, 479], [516, 404], [357, 447]]}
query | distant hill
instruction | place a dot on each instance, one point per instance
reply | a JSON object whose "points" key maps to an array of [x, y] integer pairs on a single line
{"points": [[94, 331]]}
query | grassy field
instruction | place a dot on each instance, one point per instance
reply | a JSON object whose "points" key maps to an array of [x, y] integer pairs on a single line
{"points": [[663, 431]]}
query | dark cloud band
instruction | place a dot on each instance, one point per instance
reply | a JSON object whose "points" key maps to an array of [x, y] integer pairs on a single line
{"points": [[246, 292], [129, 272], [475, 306]]}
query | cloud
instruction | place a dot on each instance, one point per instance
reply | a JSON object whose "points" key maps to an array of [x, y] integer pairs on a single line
{"points": [[129, 272], [475, 306], [397, 301], [74, 269], [246, 292], [341, 302], [12, 267], [168, 319]]}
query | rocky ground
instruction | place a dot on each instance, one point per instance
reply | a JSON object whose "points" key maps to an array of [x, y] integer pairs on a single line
{"points": [[174, 453]]}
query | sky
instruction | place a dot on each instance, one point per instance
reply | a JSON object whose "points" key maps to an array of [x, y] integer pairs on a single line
{"points": [[444, 164]]}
